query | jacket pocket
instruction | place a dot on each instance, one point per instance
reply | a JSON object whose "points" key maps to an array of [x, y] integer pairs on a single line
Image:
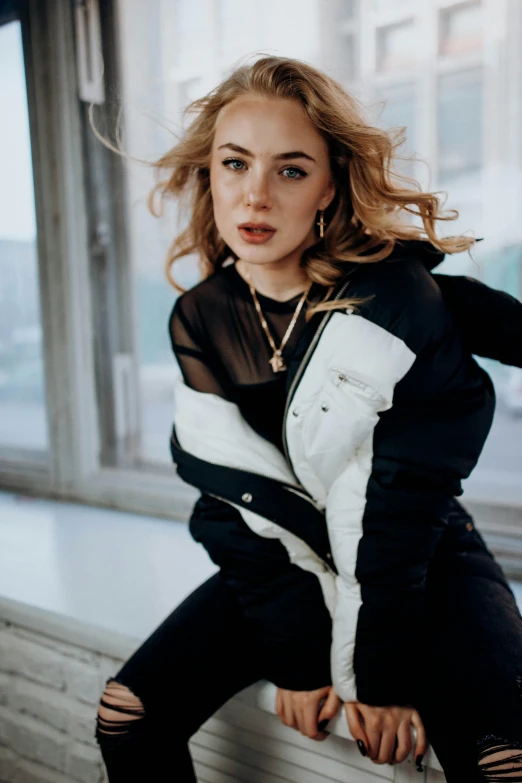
{"points": [[343, 415], [351, 385]]}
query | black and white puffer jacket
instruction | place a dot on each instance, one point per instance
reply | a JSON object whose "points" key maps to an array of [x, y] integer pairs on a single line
{"points": [[387, 411]]}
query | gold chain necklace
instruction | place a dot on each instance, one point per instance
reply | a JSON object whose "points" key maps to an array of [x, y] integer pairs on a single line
{"points": [[276, 360]]}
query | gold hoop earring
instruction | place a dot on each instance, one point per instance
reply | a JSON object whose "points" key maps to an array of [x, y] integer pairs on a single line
{"points": [[321, 223]]}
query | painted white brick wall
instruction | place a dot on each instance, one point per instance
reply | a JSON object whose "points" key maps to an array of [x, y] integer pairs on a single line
{"points": [[49, 691]]}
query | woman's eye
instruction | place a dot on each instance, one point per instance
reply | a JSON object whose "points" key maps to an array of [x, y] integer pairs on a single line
{"points": [[301, 174], [233, 160], [295, 173]]}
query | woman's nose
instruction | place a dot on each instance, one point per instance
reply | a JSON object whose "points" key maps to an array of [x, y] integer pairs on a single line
{"points": [[258, 191]]}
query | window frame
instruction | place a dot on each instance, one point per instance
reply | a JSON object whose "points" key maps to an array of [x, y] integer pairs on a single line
{"points": [[72, 469], [67, 248]]}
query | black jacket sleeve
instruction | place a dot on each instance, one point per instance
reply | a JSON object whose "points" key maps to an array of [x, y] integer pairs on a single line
{"points": [[489, 320]]}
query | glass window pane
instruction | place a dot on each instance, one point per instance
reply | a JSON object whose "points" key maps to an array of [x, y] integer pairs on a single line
{"points": [[339, 40], [23, 421], [445, 124], [396, 45], [460, 123], [383, 6], [346, 9], [499, 470], [400, 110], [156, 86], [461, 29]]}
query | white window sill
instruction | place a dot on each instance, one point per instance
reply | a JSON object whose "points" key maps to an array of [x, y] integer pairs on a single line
{"points": [[105, 579]]}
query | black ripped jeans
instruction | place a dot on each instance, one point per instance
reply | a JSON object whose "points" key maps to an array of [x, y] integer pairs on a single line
{"points": [[206, 651], [471, 698]]}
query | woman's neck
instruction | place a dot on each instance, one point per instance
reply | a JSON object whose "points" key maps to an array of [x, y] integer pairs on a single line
{"points": [[277, 282]]}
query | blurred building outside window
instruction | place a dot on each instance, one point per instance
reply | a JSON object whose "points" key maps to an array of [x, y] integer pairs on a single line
{"points": [[339, 40], [461, 29], [385, 5], [400, 110], [23, 416], [438, 74], [397, 45], [459, 123]]}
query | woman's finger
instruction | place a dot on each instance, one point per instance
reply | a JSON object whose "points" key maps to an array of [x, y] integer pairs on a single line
{"points": [[356, 726], [421, 742], [278, 702], [306, 707], [386, 747], [308, 718], [330, 708], [404, 742], [374, 740], [288, 714]]}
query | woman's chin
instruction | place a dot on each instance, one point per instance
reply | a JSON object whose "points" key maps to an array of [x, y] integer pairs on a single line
{"points": [[256, 255], [261, 254]]}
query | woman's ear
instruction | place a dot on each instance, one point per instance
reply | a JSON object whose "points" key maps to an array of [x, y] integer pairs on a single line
{"points": [[328, 196]]}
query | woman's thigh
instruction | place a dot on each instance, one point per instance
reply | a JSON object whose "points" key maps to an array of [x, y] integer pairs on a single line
{"points": [[198, 657], [472, 698]]}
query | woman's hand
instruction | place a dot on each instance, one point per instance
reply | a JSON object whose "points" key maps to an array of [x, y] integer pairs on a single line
{"points": [[385, 732], [302, 710]]}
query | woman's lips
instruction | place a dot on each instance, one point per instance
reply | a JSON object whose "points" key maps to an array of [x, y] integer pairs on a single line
{"points": [[255, 237]]}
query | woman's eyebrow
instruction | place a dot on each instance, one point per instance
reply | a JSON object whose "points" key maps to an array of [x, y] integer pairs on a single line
{"points": [[281, 156]]}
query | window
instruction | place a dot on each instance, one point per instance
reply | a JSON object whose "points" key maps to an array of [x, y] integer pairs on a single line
{"points": [[499, 469], [340, 40], [385, 5], [23, 416], [341, 62], [99, 275], [185, 26], [459, 123], [400, 110], [461, 29], [348, 56], [349, 8], [396, 45], [155, 89]]}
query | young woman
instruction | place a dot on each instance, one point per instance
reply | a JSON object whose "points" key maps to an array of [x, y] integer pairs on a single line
{"points": [[328, 409]]}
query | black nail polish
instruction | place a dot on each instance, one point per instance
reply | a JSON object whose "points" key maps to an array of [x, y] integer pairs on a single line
{"points": [[418, 762], [322, 725], [362, 747]]}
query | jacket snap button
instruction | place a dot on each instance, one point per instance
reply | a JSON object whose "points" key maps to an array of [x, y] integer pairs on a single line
{"points": [[469, 526], [349, 310], [295, 412], [324, 407], [247, 497], [329, 555]]}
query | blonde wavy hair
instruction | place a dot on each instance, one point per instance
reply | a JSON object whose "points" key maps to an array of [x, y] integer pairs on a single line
{"points": [[371, 200]]}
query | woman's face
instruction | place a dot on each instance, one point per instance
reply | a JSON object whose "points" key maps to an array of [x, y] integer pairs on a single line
{"points": [[268, 165]]}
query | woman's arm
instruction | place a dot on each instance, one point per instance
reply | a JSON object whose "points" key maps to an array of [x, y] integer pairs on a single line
{"points": [[200, 368], [217, 451], [489, 320], [385, 508]]}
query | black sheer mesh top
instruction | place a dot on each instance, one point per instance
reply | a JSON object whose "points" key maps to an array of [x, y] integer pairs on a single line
{"points": [[222, 349]]}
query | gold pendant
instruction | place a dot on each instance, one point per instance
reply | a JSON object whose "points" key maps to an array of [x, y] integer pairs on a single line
{"points": [[278, 363]]}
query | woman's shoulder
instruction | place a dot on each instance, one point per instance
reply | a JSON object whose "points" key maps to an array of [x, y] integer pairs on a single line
{"points": [[199, 304], [204, 292], [195, 309], [403, 298], [406, 270]]}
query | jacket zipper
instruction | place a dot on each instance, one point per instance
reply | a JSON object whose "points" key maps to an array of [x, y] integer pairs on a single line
{"points": [[302, 368]]}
